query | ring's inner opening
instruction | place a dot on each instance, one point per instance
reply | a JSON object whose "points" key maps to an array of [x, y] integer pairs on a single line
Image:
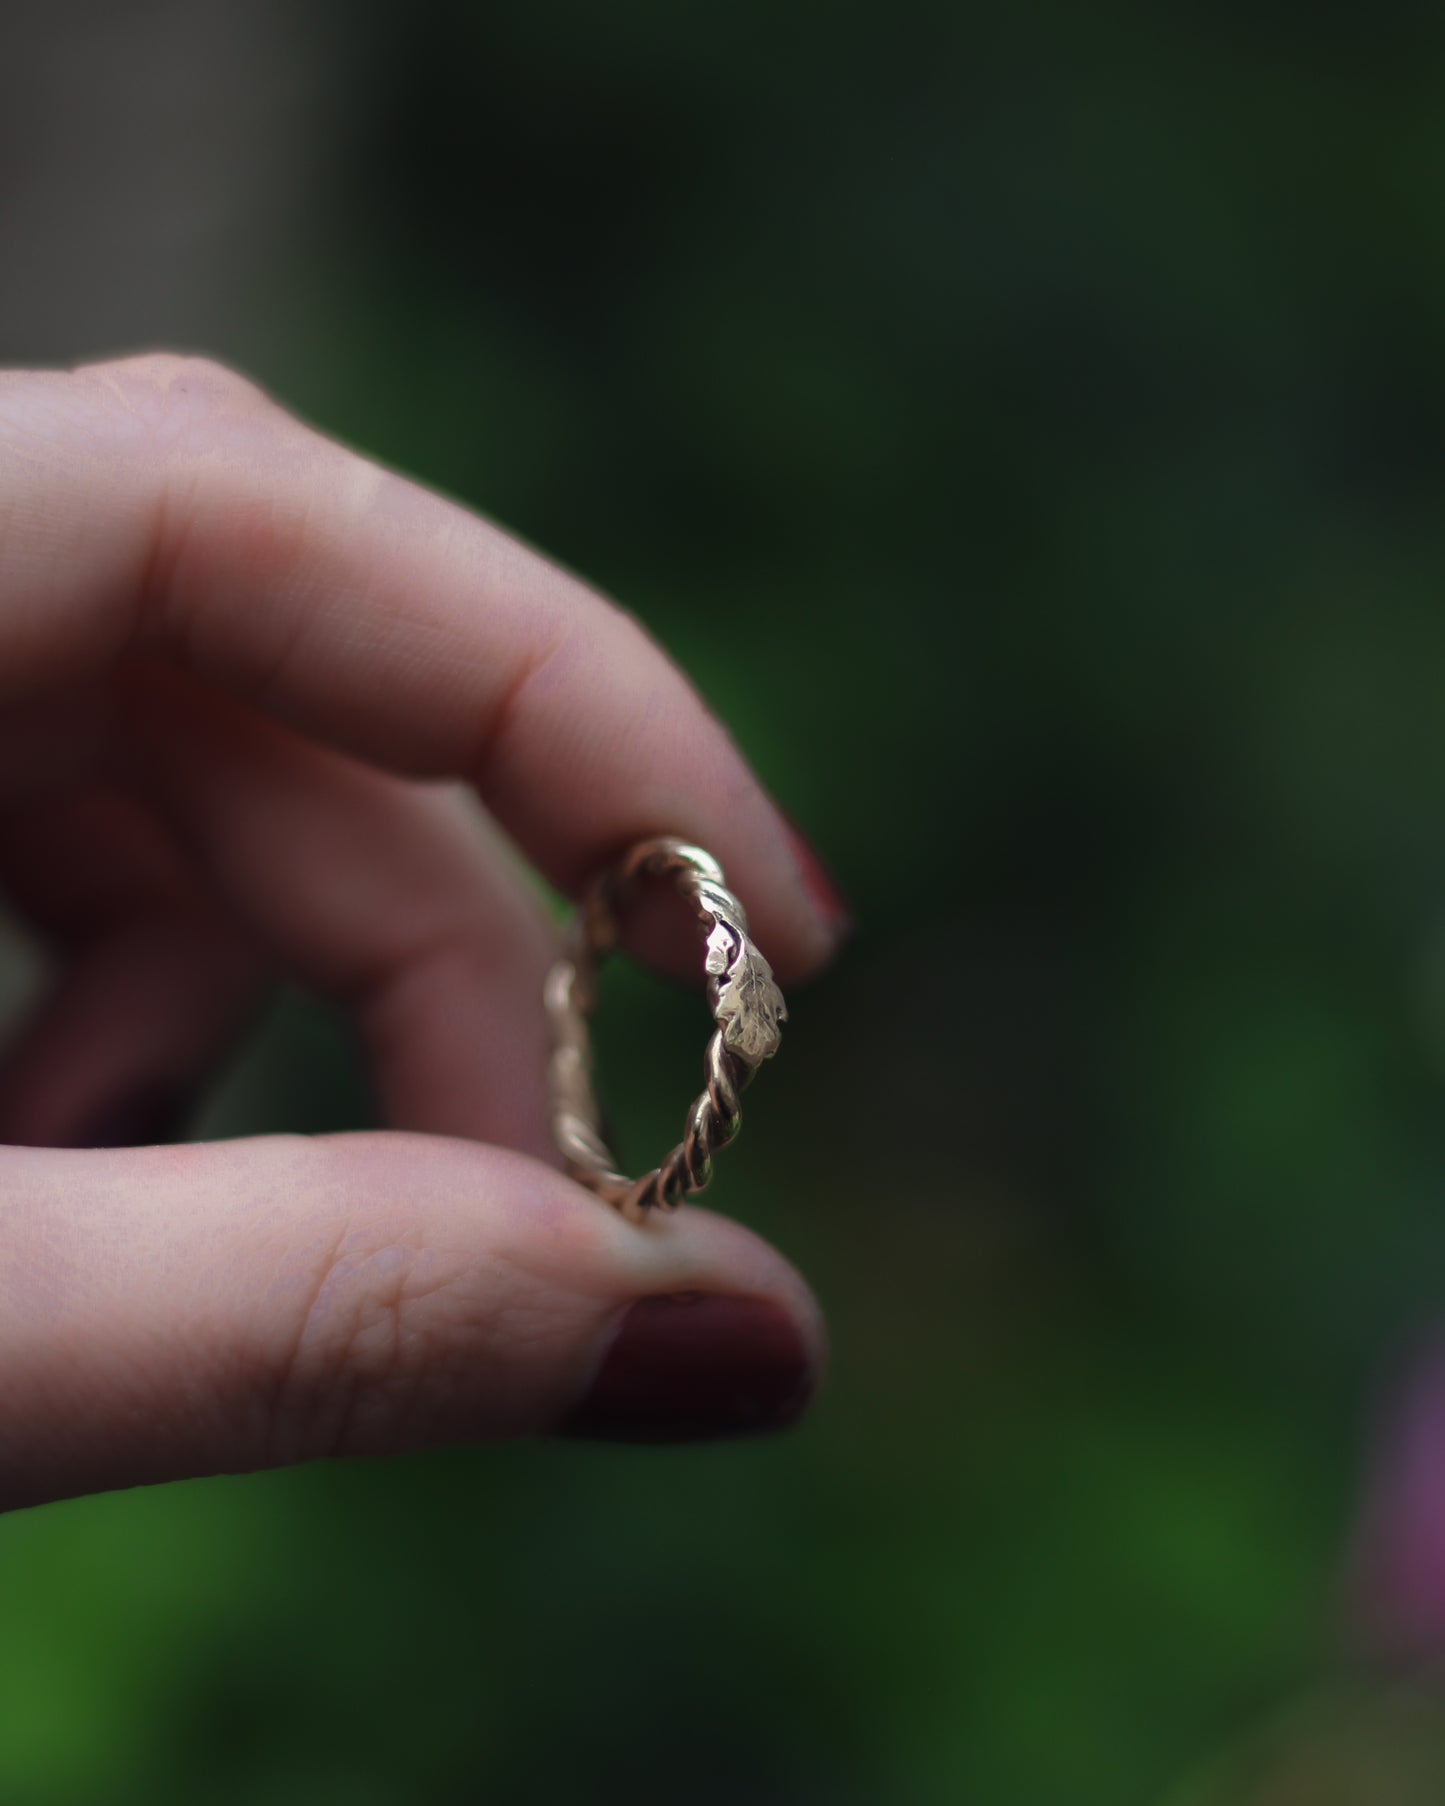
{"points": [[660, 930], [648, 1039]]}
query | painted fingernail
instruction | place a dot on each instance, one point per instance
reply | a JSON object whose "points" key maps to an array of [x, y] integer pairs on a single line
{"points": [[821, 886], [692, 1367], [159, 1113]]}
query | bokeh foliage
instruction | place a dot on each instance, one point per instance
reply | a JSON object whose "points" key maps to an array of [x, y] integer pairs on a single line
{"points": [[1026, 426]]}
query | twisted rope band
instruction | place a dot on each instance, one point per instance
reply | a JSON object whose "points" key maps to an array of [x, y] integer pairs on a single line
{"points": [[746, 1004]]}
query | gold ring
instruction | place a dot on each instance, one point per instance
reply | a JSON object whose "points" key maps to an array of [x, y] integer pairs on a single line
{"points": [[747, 1008]]}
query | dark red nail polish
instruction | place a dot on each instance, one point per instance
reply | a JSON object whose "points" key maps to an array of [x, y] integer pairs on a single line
{"points": [[159, 1113], [818, 881], [690, 1367]]}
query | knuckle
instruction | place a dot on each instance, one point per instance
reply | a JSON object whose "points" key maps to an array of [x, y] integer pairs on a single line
{"points": [[166, 372], [378, 1317], [169, 399]]}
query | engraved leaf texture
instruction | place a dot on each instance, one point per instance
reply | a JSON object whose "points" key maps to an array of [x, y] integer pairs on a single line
{"points": [[750, 1006], [722, 944]]}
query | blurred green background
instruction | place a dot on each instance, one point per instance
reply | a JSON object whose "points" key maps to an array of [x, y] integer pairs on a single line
{"points": [[1027, 425]]}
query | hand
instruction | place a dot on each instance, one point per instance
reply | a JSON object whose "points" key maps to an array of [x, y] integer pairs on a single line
{"points": [[234, 661]]}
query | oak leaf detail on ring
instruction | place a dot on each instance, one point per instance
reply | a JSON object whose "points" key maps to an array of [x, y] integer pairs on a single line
{"points": [[750, 1008]]}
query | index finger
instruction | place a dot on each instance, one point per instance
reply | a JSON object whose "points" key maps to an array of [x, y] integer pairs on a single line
{"points": [[165, 504]]}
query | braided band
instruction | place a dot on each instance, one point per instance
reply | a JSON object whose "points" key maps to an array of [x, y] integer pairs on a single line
{"points": [[747, 1008]]}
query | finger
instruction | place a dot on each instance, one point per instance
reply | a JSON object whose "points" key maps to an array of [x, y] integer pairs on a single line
{"points": [[154, 982], [395, 898], [179, 1311], [166, 503]]}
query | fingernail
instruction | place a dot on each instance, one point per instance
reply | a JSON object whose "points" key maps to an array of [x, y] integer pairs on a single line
{"points": [[818, 881], [159, 1113], [691, 1367]]}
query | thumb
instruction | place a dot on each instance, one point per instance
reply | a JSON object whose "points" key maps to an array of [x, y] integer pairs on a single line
{"points": [[177, 1311]]}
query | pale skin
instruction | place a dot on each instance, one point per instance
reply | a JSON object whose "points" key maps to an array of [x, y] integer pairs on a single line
{"points": [[236, 664]]}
